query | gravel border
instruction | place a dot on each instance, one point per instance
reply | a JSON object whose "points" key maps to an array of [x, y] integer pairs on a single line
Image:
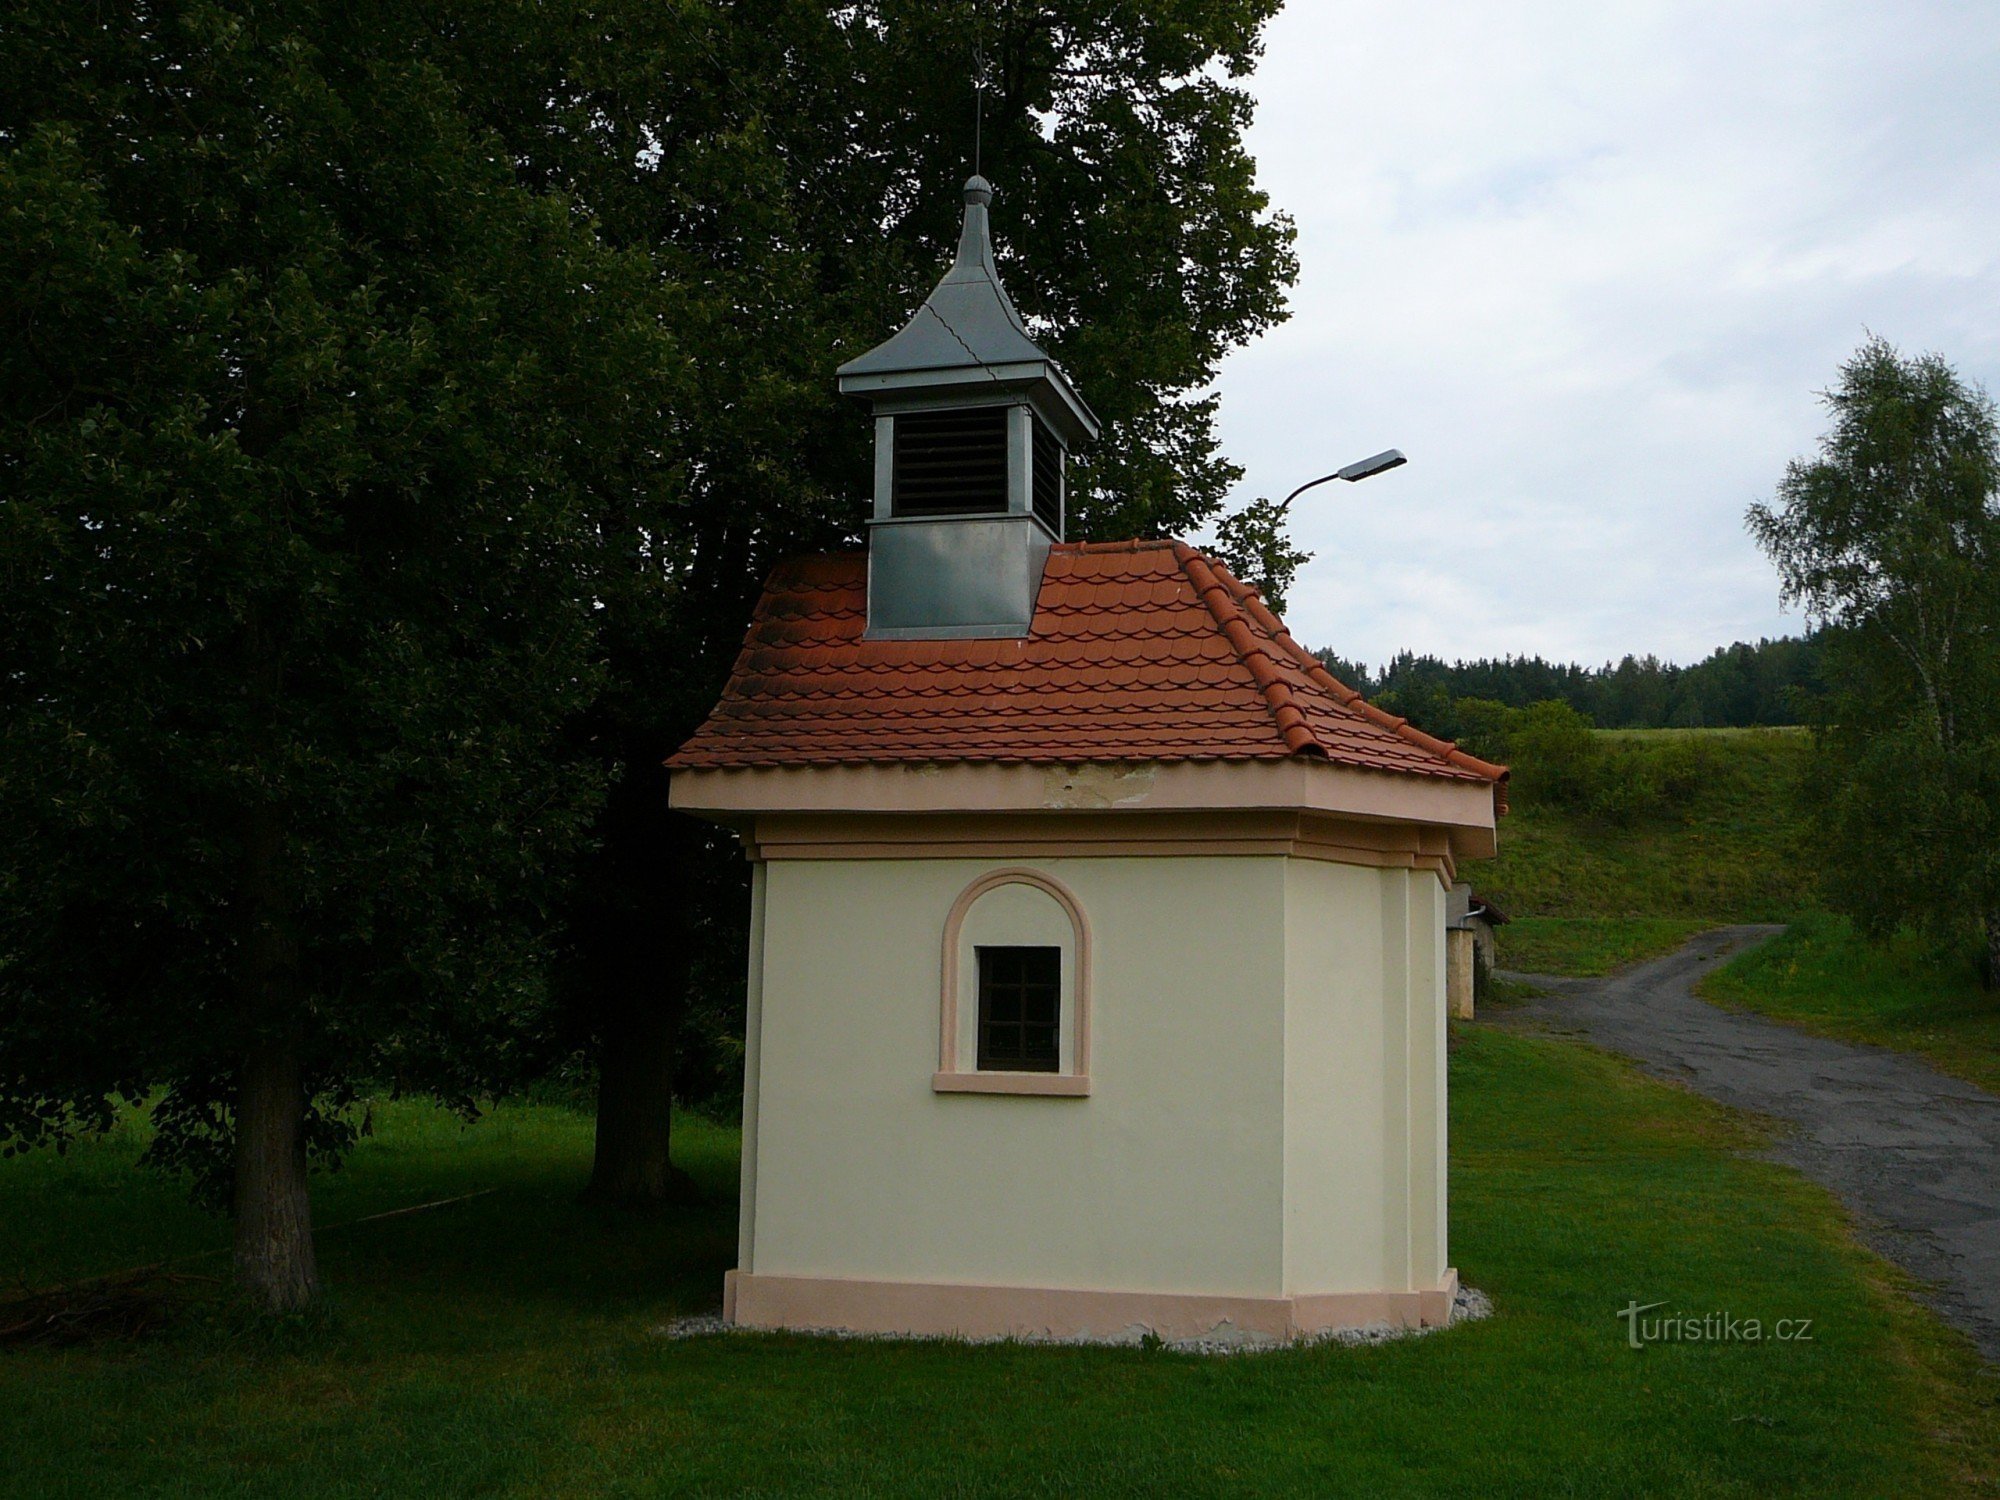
{"points": [[1469, 1305]]}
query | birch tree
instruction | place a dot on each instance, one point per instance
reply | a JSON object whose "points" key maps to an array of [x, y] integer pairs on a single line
{"points": [[1890, 535]]}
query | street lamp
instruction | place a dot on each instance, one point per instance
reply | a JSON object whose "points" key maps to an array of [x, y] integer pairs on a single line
{"points": [[1354, 473]]}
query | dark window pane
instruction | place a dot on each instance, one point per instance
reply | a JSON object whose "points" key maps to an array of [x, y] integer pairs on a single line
{"points": [[1020, 1007]]}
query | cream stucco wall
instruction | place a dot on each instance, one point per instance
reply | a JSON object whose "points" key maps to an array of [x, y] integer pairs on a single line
{"points": [[1167, 1177], [1265, 1115], [1364, 1079]]}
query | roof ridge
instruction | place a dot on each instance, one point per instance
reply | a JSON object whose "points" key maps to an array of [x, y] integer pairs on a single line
{"points": [[1351, 698], [1209, 588], [1132, 544]]}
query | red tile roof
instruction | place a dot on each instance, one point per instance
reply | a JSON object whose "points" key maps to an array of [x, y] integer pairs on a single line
{"points": [[1138, 651]]}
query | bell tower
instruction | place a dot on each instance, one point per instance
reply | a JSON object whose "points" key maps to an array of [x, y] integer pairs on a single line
{"points": [[973, 429]]}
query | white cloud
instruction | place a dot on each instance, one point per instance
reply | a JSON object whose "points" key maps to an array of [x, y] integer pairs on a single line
{"points": [[1587, 264]]}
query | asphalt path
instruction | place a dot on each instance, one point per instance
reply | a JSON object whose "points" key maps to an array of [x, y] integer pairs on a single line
{"points": [[1914, 1154]]}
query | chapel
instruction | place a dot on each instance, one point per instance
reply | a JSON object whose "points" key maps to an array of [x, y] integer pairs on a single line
{"points": [[1097, 969]]}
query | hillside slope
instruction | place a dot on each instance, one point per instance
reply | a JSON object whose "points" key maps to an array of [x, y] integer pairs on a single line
{"points": [[1715, 836], [1708, 833]]}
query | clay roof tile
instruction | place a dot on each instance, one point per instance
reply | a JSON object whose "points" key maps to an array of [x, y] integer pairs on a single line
{"points": [[1139, 650]]}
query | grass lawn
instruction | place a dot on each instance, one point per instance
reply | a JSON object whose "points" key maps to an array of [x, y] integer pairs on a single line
{"points": [[1822, 976], [504, 1347], [1590, 946], [1589, 896], [1755, 732], [1727, 851]]}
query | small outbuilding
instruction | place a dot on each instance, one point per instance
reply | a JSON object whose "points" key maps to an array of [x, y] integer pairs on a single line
{"points": [[1471, 924], [1097, 954]]}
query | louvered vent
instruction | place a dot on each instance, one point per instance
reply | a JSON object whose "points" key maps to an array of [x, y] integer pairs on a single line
{"points": [[1048, 495], [950, 462]]}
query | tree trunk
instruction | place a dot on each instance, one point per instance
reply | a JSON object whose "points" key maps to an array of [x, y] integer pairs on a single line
{"points": [[1992, 973], [270, 1205], [632, 1164], [275, 1263], [640, 972]]}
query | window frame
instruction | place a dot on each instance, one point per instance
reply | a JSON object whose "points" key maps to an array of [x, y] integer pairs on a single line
{"points": [[1072, 1080]]}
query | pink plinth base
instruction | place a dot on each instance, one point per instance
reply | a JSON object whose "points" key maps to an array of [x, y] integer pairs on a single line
{"points": [[915, 1307]]}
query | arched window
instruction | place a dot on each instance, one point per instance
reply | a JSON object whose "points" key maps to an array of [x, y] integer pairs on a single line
{"points": [[1014, 1009]]}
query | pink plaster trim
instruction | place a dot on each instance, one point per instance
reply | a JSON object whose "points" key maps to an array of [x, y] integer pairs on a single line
{"points": [[1294, 784], [1040, 836], [914, 1307], [1064, 1085], [954, 923]]}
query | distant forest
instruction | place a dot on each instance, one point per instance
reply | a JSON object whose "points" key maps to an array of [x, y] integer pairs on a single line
{"points": [[1736, 686]]}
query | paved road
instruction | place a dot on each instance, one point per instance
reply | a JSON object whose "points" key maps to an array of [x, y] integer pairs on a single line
{"points": [[1914, 1154]]}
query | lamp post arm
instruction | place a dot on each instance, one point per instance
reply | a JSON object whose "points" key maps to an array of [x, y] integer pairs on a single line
{"points": [[1367, 468], [1309, 484]]}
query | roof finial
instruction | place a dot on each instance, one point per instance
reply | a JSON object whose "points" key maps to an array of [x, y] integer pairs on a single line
{"points": [[978, 103], [969, 330]]}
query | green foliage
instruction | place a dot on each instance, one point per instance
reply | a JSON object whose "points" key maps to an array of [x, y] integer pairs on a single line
{"points": [[1905, 992], [1891, 534], [1481, 726], [1254, 545], [790, 173], [1726, 844], [507, 1345], [1560, 761], [1619, 845], [1892, 524], [292, 533], [398, 412], [1740, 686]]}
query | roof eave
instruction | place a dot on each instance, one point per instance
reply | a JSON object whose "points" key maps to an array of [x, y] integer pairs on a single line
{"points": [[1461, 806], [1060, 405]]}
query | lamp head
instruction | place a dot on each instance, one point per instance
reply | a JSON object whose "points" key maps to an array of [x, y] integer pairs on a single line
{"points": [[1391, 458]]}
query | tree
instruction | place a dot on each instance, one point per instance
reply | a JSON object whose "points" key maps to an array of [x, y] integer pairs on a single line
{"points": [[792, 169], [1557, 756], [1255, 544], [1738, 685], [299, 389], [1891, 535]]}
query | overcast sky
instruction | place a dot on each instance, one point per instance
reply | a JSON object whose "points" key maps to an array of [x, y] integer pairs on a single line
{"points": [[1587, 264]]}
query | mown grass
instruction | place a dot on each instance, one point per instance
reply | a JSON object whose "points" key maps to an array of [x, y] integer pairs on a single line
{"points": [[1591, 897], [506, 1346], [1590, 946], [1590, 894], [1721, 733], [1823, 976], [1728, 850]]}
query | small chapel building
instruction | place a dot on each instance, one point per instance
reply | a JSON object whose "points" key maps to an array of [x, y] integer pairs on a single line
{"points": [[1097, 969]]}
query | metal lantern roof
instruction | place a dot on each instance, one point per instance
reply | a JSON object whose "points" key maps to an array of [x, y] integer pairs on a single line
{"points": [[966, 335]]}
